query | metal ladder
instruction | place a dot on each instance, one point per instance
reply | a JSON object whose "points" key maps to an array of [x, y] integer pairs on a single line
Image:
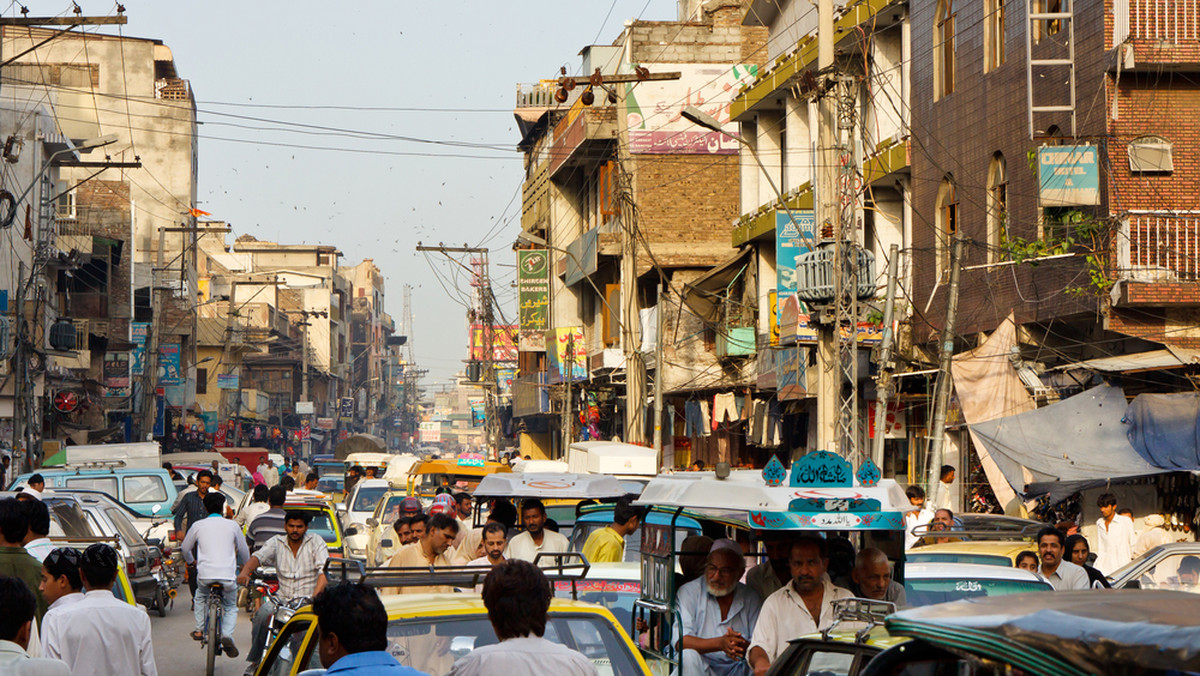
{"points": [[1067, 16]]}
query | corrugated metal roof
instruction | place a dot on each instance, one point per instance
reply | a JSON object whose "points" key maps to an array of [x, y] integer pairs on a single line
{"points": [[1153, 360]]}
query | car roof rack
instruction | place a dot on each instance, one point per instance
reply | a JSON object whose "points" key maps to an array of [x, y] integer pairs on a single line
{"points": [[562, 567], [93, 464], [856, 609], [1026, 533]]}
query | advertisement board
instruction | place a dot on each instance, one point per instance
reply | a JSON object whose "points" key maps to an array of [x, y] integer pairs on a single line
{"points": [[793, 238], [533, 298], [566, 354], [139, 333], [654, 109], [169, 372], [430, 432], [116, 375], [503, 339], [1068, 176]]}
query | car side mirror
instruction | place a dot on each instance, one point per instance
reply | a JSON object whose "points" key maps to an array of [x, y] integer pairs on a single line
{"points": [[372, 522], [351, 530], [386, 542], [156, 509]]}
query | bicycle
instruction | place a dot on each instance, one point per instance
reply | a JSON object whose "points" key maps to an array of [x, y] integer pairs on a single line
{"points": [[210, 638]]}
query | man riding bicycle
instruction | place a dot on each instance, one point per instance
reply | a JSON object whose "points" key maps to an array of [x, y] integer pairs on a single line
{"points": [[219, 546], [299, 559]]}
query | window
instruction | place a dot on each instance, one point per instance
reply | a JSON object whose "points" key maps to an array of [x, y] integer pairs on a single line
{"points": [[1178, 572], [997, 208], [1044, 27], [947, 224], [201, 381], [144, 489], [993, 35], [944, 40], [64, 201], [104, 484], [1151, 155]]}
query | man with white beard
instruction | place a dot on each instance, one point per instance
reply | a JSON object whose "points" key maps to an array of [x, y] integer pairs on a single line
{"points": [[718, 613]]}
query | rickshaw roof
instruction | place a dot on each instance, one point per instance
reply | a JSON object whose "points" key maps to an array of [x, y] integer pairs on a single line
{"points": [[549, 485], [745, 497]]}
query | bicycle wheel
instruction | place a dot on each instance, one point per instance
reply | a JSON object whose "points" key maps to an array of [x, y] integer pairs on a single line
{"points": [[213, 631]]}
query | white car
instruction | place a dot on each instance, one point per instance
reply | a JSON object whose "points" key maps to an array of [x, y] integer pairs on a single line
{"points": [[929, 583], [361, 506]]}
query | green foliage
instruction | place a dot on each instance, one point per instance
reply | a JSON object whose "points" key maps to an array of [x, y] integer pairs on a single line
{"points": [[1066, 231]]}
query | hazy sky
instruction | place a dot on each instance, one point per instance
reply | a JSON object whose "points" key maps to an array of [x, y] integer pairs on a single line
{"points": [[446, 71]]}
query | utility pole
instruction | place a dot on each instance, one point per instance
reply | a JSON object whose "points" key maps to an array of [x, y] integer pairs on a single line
{"points": [[482, 281], [658, 371], [883, 381], [149, 401], [19, 371], [829, 382], [937, 427]]}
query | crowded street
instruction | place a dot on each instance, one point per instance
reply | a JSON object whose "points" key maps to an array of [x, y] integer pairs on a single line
{"points": [[626, 338]]}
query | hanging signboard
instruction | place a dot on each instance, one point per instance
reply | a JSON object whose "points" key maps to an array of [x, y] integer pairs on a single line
{"points": [[140, 332], [566, 353], [227, 381], [116, 376], [795, 235], [654, 109], [1068, 176], [533, 298], [169, 372]]}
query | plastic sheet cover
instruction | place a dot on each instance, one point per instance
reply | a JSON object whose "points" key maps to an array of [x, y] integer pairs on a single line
{"points": [[1081, 438], [1163, 429]]}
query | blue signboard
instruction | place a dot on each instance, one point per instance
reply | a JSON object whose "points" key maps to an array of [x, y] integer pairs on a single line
{"points": [[828, 520], [1069, 176], [137, 359], [169, 372], [792, 239], [821, 468]]}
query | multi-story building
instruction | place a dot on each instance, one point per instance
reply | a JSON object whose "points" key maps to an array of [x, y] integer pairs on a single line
{"points": [[623, 194]]}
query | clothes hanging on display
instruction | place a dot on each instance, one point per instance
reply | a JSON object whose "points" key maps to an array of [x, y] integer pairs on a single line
{"points": [[696, 419], [725, 409]]}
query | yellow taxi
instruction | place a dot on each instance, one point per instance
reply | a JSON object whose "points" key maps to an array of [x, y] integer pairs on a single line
{"points": [[987, 552], [454, 474], [429, 632]]}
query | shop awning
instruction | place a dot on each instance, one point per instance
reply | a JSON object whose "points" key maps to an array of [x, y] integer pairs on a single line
{"points": [[705, 294], [1082, 438], [1153, 360]]}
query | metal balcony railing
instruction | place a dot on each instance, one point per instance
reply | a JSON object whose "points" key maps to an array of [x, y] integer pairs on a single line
{"points": [[1159, 246]]}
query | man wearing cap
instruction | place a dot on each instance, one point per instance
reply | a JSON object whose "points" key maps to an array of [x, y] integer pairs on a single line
{"points": [[718, 614], [100, 634]]}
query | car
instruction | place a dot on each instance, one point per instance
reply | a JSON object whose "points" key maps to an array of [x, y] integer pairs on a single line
{"points": [[930, 583], [108, 518], [325, 520], [381, 537], [984, 552], [1169, 566], [363, 499], [141, 489], [1062, 634], [461, 474], [430, 631]]}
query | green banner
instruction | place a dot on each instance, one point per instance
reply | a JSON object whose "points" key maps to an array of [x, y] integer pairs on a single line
{"points": [[533, 296]]}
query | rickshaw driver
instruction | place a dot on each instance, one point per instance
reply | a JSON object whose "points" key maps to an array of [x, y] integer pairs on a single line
{"points": [[804, 606]]}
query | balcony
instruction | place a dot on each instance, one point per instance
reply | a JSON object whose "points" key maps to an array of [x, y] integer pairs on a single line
{"points": [[1158, 33], [172, 89], [1158, 259], [577, 134]]}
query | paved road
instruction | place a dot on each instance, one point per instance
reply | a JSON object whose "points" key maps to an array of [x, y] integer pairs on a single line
{"points": [[178, 655]]}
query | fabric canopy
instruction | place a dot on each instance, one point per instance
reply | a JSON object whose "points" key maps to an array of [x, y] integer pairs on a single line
{"points": [[1165, 429], [1079, 439]]}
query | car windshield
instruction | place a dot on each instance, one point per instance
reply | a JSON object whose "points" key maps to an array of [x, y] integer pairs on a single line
{"points": [[322, 524], [928, 591], [433, 646], [70, 521], [616, 595], [366, 498], [427, 483], [391, 511], [330, 484]]}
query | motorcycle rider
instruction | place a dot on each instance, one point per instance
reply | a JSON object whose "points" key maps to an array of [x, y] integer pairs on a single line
{"points": [[299, 559]]}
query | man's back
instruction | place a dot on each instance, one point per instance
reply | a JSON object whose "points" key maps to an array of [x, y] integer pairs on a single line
{"points": [[101, 635], [219, 545], [16, 562], [16, 662], [266, 526], [522, 657], [605, 546]]}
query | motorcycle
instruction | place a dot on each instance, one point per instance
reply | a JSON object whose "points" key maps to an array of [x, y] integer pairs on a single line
{"points": [[166, 566], [284, 610]]}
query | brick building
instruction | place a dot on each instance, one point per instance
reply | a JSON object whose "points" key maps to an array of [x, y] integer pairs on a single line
{"points": [[619, 219]]}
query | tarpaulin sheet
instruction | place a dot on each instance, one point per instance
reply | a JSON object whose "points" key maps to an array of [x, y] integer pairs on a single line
{"points": [[1081, 438], [988, 388], [1164, 429]]}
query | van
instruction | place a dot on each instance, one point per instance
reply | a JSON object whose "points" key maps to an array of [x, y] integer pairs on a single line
{"points": [[142, 490]]}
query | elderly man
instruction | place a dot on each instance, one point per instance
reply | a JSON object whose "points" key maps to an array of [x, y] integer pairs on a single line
{"points": [[718, 615], [802, 607], [871, 578]]}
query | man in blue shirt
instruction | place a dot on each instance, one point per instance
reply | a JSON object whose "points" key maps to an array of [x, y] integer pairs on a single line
{"points": [[352, 633]]}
